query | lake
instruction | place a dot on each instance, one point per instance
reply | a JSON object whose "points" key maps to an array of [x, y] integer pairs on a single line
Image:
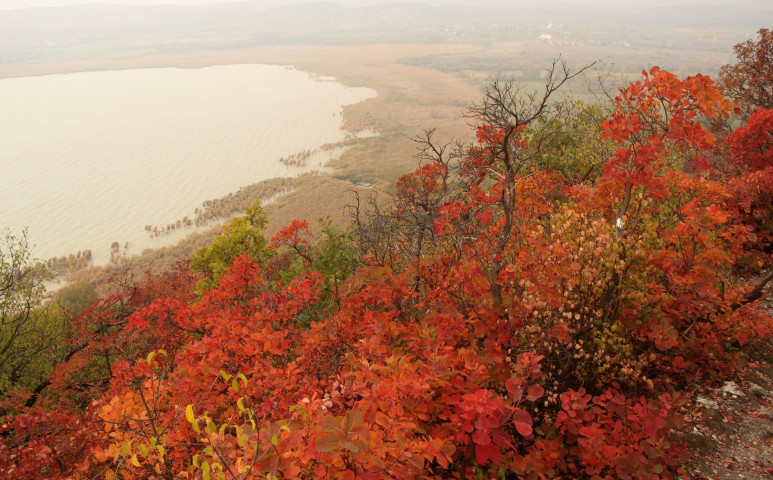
{"points": [[87, 159]]}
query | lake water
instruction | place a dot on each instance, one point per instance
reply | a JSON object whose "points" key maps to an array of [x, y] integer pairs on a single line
{"points": [[90, 158]]}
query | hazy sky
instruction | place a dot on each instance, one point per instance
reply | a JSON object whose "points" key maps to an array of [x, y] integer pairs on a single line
{"points": [[15, 4]]}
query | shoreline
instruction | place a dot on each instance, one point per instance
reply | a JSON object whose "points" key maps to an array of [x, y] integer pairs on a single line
{"points": [[410, 99], [63, 223]]}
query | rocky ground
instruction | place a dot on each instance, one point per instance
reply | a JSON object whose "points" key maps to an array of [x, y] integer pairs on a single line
{"points": [[730, 428]]}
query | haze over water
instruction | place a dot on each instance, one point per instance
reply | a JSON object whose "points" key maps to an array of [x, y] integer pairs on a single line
{"points": [[90, 158]]}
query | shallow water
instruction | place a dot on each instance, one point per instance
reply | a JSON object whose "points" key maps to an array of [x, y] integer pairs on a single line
{"points": [[90, 158]]}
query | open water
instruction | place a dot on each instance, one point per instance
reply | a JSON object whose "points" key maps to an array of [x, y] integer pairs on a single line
{"points": [[90, 158]]}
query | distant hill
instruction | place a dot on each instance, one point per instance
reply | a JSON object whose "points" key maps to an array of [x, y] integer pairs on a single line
{"points": [[97, 31]]}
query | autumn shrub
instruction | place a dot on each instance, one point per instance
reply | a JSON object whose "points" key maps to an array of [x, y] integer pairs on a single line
{"points": [[750, 178]]}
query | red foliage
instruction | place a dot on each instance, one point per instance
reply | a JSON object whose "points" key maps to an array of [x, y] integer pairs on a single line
{"points": [[751, 146], [614, 437], [522, 336], [656, 114], [750, 181]]}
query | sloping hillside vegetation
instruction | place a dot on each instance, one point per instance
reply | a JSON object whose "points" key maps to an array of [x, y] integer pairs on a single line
{"points": [[530, 306]]}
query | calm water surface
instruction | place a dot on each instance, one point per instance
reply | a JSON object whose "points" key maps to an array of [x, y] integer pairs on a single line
{"points": [[90, 158]]}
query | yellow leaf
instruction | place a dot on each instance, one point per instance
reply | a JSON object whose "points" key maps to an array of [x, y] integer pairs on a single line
{"points": [[135, 462], [189, 414], [150, 356], [160, 450]]}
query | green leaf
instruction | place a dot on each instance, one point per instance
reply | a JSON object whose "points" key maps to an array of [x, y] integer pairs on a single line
{"points": [[125, 448], [196, 460], [235, 385], [150, 356], [226, 376], [143, 450]]}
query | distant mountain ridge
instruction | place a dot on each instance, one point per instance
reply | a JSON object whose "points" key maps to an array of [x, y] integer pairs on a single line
{"points": [[94, 31]]}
